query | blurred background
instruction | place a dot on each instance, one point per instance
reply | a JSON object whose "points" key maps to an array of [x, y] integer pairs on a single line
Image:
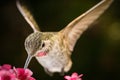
{"points": [[96, 54]]}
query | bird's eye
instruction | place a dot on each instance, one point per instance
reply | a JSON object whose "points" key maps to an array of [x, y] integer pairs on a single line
{"points": [[43, 44]]}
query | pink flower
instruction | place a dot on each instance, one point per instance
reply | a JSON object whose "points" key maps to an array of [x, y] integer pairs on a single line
{"points": [[24, 74], [74, 76], [7, 73]]}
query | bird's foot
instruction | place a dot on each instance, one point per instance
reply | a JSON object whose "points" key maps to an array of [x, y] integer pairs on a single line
{"points": [[62, 72], [48, 72]]}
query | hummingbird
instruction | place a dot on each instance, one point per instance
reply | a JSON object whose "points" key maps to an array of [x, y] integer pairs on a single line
{"points": [[53, 50]]}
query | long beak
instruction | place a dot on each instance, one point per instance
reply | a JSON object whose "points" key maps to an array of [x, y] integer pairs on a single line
{"points": [[27, 61]]}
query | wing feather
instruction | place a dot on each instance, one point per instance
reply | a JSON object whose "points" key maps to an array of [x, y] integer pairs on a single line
{"points": [[74, 29], [27, 15]]}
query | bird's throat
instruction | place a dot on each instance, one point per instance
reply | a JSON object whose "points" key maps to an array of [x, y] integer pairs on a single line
{"points": [[40, 54]]}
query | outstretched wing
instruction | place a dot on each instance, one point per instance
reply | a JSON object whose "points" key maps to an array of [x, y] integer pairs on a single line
{"points": [[74, 29], [27, 15]]}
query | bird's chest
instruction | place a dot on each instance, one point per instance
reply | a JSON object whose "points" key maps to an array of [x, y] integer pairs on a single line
{"points": [[56, 58]]}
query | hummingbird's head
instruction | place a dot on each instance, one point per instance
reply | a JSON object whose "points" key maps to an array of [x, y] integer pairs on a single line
{"points": [[38, 44]]}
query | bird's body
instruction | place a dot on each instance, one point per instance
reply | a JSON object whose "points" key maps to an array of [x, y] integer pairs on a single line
{"points": [[57, 59], [53, 49]]}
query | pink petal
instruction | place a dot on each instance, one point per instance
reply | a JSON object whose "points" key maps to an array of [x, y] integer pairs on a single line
{"points": [[28, 72], [20, 71], [74, 74], [6, 67], [73, 79], [6, 75], [67, 77], [80, 75], [31, 78]]}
